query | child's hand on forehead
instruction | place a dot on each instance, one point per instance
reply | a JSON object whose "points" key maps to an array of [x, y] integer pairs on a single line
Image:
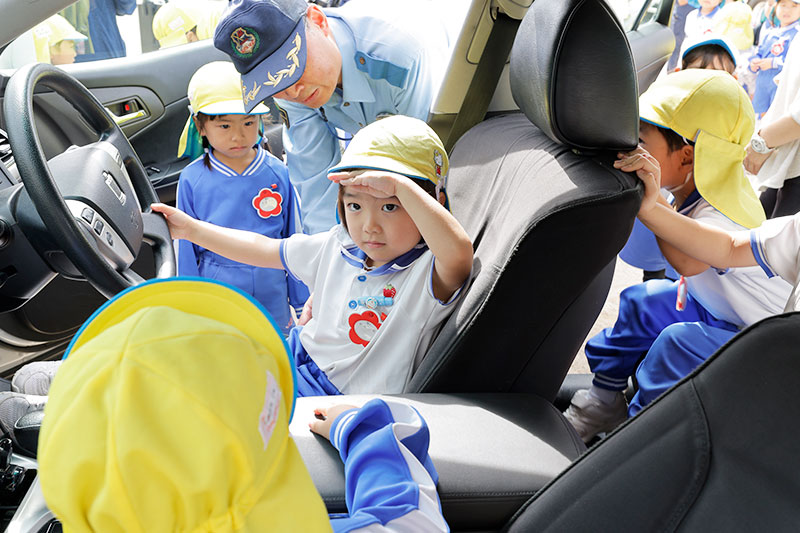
{"points": [[377, 183], [647, 169]]}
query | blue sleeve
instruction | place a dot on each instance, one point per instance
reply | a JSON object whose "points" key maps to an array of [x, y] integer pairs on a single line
{"points": [[298, 292], [124, 7], [311, 149], [187, 252], [390, 480]]}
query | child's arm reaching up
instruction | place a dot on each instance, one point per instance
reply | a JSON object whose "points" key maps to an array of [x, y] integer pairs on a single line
{"points": [[443, 234], [243, 246], [703, 242]]}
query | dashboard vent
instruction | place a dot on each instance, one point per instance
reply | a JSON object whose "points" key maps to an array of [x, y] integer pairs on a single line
{"points": [[5, 149]]}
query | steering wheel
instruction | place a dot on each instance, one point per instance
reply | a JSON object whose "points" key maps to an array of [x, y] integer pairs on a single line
{"points": [[94, 201]]}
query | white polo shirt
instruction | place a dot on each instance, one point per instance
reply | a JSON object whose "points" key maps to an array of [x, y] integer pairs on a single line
{"points": [[371, 327], [776, 247], [740, 296]]}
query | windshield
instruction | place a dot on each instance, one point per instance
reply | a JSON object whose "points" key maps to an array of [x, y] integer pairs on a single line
{"points": [[93, 30]]}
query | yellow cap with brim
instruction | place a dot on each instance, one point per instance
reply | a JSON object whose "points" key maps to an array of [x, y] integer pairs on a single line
{"points": [[170, 413], [56, 29], [399, 144], [710, 108], [214, 89], [50, 32], [735, 23], [172, 21]]}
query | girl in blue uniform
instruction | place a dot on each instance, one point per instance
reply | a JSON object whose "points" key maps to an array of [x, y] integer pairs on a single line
{"points": [[768, 59], [236, 184]]}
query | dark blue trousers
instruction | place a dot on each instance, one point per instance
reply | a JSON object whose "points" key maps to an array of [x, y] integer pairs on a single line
{"points": [[643, 328]]}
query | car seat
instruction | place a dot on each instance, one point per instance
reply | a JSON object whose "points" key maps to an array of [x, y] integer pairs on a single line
{"points": [[547, 212], [717, 452]]}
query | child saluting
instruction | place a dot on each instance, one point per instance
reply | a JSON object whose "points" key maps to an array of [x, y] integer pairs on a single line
{"points": [[384, 279]]}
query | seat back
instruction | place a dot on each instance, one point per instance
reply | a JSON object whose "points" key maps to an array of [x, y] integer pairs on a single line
{"points": [[547, 212], [718, 452]]}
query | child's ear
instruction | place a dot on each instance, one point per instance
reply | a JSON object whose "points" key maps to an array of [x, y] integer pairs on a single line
{"points": [[198, 127], [442, 197], [687, 156]]}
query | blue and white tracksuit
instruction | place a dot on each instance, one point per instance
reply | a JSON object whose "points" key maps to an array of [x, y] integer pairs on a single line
{"points": [[774, 45], [673, 343], [261, 200], [390, 480]]}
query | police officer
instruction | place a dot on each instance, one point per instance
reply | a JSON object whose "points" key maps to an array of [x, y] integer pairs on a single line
{"points": [[332, 71]]}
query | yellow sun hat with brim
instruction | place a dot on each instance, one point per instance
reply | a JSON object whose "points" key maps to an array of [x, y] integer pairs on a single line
{"points": [[51, 32], [173, 20], [735, 22], [214, 89], [711, 109], [170, 413], [399, 144], [176, 18]]}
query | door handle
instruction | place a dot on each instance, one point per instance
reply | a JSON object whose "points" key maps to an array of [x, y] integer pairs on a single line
{"points": [[124, 119]]}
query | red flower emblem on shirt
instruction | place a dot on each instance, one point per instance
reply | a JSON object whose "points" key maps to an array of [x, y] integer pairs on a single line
{"points": [[268, 203], [363, 327], [777, 48]]}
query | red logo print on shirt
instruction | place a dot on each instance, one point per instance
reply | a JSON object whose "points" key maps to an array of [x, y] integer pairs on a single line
{"points": [[267, 203], [363, 327], [777, 48]]}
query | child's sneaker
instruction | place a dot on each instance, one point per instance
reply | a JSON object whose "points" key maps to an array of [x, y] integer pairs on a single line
{"points": [[591, 416], [35, 378], [14, 406]]}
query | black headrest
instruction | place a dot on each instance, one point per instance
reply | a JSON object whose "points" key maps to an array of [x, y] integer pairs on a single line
{"points": [[572, 74]]}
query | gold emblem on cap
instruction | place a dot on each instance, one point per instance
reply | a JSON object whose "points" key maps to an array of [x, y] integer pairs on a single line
{"points": [[251, 94], [291, 67]]}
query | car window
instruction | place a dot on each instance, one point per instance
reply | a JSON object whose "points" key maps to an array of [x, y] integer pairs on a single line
{"points": [[628, 11], [93, 30]]}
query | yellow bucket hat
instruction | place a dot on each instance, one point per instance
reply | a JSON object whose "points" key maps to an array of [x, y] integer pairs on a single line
{"points": [[710, 108], [171, 413], [215, 89], [52, 31], [173, 20], [735, 23], [399, 144]]}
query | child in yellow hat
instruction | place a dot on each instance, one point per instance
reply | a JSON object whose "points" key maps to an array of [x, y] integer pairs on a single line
{"points": [[384, 279], [186, 21], [55, 41], [695, 125], [236, 184], [710, 51], [773, 246], [171, 413]]}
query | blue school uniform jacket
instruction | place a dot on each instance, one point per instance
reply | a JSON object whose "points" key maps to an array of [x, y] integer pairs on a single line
{"points": [[261, 200]]}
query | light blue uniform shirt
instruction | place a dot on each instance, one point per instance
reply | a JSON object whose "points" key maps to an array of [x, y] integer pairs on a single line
{"points": [[393, 58]]}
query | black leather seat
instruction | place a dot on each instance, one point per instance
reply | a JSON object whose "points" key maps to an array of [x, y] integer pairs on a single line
{"points": [[545, 209], [547, 213], [718, 452]]}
